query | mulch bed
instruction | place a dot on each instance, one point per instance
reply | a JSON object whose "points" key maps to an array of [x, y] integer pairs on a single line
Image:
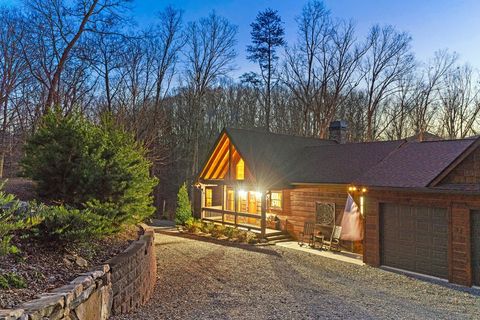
{"points": [[45, 266]]}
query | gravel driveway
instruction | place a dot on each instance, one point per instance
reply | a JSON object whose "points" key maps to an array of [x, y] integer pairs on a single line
{"points": [[198, 279]]}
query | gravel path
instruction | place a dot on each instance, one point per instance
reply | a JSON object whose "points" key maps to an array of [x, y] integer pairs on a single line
{"points": [[198, 279]]}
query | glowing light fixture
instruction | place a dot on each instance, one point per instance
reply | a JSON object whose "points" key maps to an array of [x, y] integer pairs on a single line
{"points": [[364, 189], [242, 193], [258, 195]]}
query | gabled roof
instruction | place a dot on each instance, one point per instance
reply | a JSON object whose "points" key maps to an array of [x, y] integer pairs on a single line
{"points": [[271, 157], [342, 163], [279, 160], [426, 136], [416, 164]]}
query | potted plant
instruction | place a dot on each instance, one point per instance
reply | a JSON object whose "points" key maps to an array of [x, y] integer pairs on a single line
{"points": [[272, 221]]}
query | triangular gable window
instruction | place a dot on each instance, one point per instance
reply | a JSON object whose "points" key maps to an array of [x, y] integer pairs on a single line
{"points": [[224, 157]]}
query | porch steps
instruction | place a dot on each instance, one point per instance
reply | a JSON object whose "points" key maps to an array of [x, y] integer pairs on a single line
{"points": [[276, 237]]}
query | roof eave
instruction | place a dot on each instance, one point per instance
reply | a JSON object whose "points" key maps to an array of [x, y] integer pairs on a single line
{"points": [[462, 156]]}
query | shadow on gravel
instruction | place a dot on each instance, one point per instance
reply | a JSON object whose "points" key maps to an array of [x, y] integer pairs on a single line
{"points": [[247, 247]]}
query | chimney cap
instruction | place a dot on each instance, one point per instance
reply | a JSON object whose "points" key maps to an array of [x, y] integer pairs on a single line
{"points": [[338, 124]]}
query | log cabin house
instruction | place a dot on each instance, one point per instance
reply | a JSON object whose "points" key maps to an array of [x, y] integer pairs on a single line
{"points": [[420, 200]]}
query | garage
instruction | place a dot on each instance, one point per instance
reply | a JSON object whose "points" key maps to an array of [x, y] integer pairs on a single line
{"points": [[414, 238], [475, 243]]}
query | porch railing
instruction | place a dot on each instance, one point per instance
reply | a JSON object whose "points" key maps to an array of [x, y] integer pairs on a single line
{"points": [[219, 215]]}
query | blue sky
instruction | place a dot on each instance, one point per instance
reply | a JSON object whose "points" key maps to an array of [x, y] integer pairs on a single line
{"points": [[433, 24]]}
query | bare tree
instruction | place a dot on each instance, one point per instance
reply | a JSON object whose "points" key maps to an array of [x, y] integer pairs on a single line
{"points": [[323, 68], [388, 60], [460, 103], [427, 96], [167, 43], [56, 29], [301, 67], [209, 56], [12, 71], [400, 105]]}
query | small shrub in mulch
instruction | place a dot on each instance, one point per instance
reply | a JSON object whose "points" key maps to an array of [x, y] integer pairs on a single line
{"points": [[208, 227], [219, 231], [12, 280], [193, 225]]}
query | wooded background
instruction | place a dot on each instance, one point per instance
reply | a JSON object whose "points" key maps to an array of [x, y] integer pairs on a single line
{"points": [[171, 84]]}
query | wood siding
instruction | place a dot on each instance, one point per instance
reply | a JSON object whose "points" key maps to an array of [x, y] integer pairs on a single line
{"points": [[467, 172], [475, 246], [299, 206]]}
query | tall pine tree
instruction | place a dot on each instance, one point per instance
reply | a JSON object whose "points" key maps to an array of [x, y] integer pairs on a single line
{"points": [[267, 36]]}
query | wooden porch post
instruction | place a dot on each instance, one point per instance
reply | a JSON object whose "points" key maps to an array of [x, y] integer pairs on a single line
{"points": [[224, 196], [263, 221], [202, 201], [235, 205]]}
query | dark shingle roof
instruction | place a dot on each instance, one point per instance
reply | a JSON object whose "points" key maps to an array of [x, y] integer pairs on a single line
{"points": [[342, 163], [415, 164], [426, 136], [269, 156], [278, 160]]}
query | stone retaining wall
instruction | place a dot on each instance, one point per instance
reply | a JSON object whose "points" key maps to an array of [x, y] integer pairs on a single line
{"points": [[122, 284]]}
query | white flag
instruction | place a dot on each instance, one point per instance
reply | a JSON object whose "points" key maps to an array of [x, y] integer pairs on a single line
{"points": [[352, 225]]}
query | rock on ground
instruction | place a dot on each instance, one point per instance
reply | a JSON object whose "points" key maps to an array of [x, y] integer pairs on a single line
{"points": [[205, 280]]}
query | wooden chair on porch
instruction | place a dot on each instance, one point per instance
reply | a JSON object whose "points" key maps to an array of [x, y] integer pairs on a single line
{"points": [[334, 242], [308, 234]]}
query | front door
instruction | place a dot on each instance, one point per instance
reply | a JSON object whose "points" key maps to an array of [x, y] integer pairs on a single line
{"points": [[252, 207], [230, 205], [252, 203]]}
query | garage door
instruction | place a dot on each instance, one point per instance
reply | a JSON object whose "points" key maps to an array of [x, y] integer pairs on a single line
{"points": [[475, 230], [415, 238]]}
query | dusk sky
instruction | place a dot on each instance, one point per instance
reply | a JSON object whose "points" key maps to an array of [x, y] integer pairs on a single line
{"points": [[433, 24]]}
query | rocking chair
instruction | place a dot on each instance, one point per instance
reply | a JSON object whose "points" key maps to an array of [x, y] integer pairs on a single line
{"points": [[334, 242], [307, 233]]}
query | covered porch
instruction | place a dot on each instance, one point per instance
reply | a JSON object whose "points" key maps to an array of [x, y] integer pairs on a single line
{"points": [[233, 205], [233, 195]]}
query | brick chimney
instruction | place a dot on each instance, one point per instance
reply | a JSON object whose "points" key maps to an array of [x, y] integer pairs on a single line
{"points": [[338, 131]]}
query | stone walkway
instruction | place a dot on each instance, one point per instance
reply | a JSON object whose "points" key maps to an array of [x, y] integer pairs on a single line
{"points": [[208, 279]]}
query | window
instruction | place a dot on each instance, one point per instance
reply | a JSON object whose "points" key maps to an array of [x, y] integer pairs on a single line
{"points": [[240, 170], [242, 201], [208, 197], [276, 200]]}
